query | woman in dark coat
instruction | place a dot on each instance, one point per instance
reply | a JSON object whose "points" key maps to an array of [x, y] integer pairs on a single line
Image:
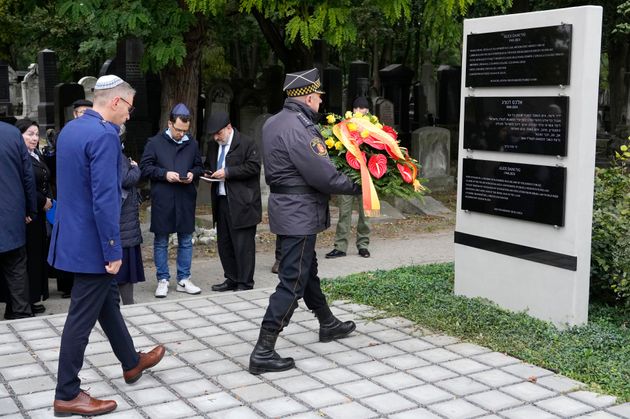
{"points": [[132, 269], [36, 231]]}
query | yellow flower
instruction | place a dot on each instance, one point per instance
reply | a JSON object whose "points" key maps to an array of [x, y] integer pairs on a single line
{"points": [[373, 119], [365, 133], [348, 114], [330, 142], [357, 115], [379, 126], [330, 118], [352, 126], [339, 145]]}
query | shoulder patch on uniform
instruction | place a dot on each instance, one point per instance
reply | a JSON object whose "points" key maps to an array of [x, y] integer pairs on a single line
{"points": [[318, 147], [304, 120]]}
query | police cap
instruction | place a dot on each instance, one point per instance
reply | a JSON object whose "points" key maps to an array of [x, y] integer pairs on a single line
{"points": [[302, 83]]}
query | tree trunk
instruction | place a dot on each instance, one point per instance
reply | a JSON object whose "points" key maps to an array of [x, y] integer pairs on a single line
{"points": [[619, 83], [181, 84]]}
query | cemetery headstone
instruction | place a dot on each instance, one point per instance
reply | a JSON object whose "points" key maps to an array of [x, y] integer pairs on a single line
{"points": [[88, 83], [431, 147], [333, 86], [30, 93], [358, 81], [65, 94], [384, 109], [6, 108], [449, 91], [47, 68], [395, 83]]}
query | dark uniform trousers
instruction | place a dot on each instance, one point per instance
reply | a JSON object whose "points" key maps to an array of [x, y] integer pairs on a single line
{"points": [[237, 247], [298, 279], [94, 297], [13, 265]]}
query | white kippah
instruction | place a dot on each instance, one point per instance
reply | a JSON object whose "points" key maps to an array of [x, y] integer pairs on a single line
{"points": [[107, 82]]}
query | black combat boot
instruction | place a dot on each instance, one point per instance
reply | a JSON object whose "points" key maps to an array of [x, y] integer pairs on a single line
{"points": [[330, 327], [264, 358]]}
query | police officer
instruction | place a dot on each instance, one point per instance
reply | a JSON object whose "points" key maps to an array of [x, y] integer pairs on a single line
{"points": [[301, 178]]}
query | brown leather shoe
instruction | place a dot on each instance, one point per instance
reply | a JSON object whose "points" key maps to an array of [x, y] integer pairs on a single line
{"points": [[147, 360], [84, 405]]}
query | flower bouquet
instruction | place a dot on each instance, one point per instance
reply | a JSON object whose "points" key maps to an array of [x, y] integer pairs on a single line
{"points": [[368, 153]]}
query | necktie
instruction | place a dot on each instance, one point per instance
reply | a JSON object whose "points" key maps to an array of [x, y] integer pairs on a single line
{"points": [[221, 157]]}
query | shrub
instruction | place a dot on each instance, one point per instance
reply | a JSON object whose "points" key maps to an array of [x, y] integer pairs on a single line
{"points": [[610, 250]]}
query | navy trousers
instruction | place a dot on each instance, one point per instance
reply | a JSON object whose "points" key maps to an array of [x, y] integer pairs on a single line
{"points": [[298, 279], [94, 297]]}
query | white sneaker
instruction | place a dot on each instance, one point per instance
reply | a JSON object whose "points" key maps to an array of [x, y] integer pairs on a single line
{"points": [[187, 286], [162, 289]]}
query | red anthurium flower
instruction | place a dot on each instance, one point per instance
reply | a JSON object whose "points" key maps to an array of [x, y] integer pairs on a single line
{"points": [[405, 172], [374, 143], [377, 165], [390, 131], [353, 162]]}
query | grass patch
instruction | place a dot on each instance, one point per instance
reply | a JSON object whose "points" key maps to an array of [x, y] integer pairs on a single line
{"points": [[597, 354]]}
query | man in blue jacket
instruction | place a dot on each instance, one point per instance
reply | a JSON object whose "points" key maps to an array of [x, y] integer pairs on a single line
{"points": [[86, 241], [17, 208], [171, 160]]}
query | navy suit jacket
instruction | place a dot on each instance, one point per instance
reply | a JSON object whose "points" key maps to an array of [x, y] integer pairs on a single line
{"points": [[86, 234], [17, 188]]}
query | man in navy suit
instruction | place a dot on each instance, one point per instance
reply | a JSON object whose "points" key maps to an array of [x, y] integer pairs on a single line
{"points": [[17, 208], [86, 241]]}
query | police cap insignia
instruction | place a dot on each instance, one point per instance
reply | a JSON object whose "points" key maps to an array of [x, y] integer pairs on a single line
{"points": [[303, 83], [318, 147]]}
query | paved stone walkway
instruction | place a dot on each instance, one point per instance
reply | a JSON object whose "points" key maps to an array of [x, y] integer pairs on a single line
{"points": [[387, 368]]}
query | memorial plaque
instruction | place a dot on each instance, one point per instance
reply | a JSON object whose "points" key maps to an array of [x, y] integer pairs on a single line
{"points": [[535, 125], [523, 191], [524, 57]]}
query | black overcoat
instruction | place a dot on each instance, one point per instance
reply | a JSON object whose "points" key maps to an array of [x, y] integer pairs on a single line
{"points": [[36, 235], [242, 163], [130, 233], [172, 204]]}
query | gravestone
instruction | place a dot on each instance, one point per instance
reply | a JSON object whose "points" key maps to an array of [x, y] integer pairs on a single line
{"points": [[358, 81], [428, 85], [15, 90], [384, 110], [142, 124], [419, 107], [65, 94], [449, 90], [47, 69], [6, 108], [258, 124], [219, 98], [273, 77], [30, 93], [333, 86], [395, 83], [88, 83], [431, 147]]}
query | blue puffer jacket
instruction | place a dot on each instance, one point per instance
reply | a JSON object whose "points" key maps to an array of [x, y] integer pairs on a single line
{"points": [[130, 234]]}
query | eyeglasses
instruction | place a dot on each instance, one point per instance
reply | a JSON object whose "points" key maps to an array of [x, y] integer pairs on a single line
{"points": [[179, 130], [131, 107]]}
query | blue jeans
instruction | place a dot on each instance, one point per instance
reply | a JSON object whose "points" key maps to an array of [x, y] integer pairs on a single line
{"points": [[184, 256]]}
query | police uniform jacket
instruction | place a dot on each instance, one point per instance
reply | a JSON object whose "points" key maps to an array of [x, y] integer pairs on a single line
{"points": [[294, 155], [86, 234], [242, 182], [172, 204], [17, 188]]}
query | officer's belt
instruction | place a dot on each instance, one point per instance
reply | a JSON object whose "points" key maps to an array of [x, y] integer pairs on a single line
{"points": [[297, 190]]}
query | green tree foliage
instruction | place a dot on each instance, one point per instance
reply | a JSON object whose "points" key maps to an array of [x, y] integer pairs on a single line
{"points": [[610, 261]]}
